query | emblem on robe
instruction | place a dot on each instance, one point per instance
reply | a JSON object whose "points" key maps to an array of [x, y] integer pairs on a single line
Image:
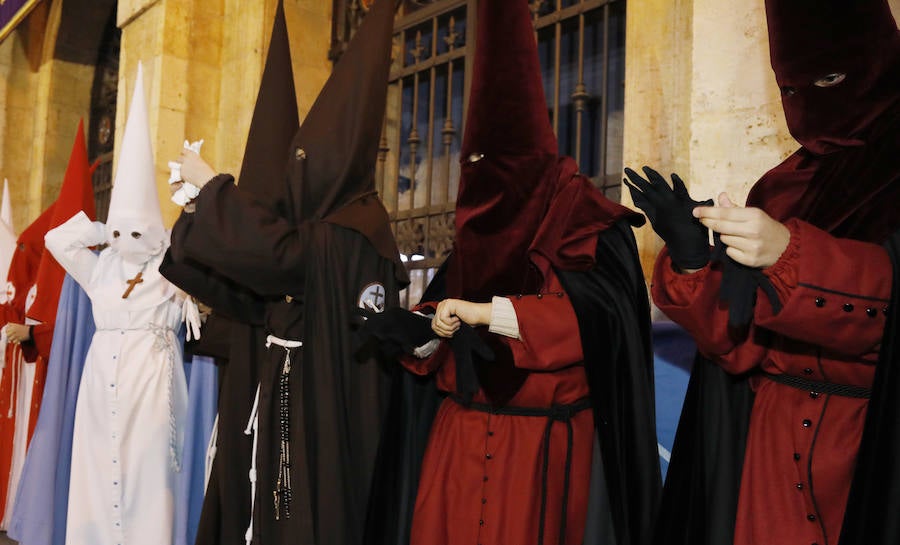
{"points": [[372, 297], [9, 294], [30, 297]]}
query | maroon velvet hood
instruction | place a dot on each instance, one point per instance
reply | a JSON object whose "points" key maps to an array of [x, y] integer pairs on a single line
{"points": [[846, 178], [521, 208], [812, 39]]}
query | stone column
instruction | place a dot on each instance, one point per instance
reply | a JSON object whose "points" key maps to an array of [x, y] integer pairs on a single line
{"points": [[203, 61], [701, 99]]}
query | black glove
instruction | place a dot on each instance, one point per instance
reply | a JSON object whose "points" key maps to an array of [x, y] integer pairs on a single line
{"points": [[464, 343], [739, 285], [397, 330], [670, 212]]}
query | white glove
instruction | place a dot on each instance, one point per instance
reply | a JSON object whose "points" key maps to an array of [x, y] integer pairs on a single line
{"points": [[190, 314], [188, 192]]}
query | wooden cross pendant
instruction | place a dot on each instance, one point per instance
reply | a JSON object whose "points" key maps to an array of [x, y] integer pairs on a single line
{"points": [[138, 278]]}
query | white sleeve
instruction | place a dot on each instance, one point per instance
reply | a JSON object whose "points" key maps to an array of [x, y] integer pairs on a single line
{"points": [[503, 318], [69, 243]]}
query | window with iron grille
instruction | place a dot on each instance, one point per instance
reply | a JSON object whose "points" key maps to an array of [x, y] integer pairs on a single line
{"points": [[581, 44]]}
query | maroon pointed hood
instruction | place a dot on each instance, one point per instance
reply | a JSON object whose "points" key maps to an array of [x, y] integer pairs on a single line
{"points": [[520, 208], [274, 124], [810, 40]]}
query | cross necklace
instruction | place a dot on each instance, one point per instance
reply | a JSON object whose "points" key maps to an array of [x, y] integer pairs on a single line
{"points": [[133, 282], [138, 279]]}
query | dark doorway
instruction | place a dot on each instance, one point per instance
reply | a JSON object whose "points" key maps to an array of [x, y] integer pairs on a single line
{"points": [[102, 126]]}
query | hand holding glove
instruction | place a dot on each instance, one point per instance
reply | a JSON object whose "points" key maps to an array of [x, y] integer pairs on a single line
{"points": [[397, 330], [466, 343], [670, 211]]}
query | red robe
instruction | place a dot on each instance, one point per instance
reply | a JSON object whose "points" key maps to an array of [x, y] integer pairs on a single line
{"points": [[801, 447], [481, 475], [34, 353]]}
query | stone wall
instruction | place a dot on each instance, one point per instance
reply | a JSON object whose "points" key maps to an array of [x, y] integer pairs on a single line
{"points": [[202, 60]]}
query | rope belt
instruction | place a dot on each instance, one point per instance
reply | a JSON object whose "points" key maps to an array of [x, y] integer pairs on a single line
{"points": [[283, 493], [830, 388], [252, 429], [556, 413]]}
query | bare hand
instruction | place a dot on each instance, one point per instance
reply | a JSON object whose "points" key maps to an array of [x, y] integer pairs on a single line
{"points": [[18, 333], [752, 237], [191, 206], [174, 187], [451, 311], [194, 170]]}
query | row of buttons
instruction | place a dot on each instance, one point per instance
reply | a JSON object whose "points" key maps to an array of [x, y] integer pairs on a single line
{"points": [[541, 295], [487, 456], [871, 312]]}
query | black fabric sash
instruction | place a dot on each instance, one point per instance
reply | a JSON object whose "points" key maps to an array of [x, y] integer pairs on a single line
{"points": [[556, 413], [830, 388]]}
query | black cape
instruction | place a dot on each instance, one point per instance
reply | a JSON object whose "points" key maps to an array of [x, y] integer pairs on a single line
{"points": [[336, 402], [612, 308], [874, 501], [699, 502]]}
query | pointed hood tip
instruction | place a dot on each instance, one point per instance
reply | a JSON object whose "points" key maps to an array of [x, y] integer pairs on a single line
{"points": [[76, 194], [134, 194], [77, 190], [134, 205], [341, 133], [275, 120], [507, 106]]}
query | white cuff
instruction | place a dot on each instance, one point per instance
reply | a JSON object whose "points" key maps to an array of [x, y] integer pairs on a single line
{"points": [[426, 349], [503, 318]]}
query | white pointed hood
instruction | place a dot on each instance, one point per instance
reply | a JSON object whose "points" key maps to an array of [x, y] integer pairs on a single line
{"points": [[7, 236], [134, 225]]}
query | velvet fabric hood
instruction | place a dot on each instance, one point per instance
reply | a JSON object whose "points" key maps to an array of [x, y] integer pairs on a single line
{"points": [[838, 66], [521, 208], [846, 178]]}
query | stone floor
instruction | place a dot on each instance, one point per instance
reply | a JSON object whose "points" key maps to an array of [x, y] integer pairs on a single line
{"points": [[5, 540]]}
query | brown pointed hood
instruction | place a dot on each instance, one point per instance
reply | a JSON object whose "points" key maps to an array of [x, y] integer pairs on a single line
{"points": [[274, 124], [521, 208], [338, 141]]}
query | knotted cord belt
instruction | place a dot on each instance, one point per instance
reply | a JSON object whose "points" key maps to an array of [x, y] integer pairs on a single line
{"points": [[843, 390], [556, 413]]}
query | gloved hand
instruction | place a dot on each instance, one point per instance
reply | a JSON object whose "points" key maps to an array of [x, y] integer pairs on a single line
{"points": [[670, 212], [397, 330], [464, 343], [738, 288], [190, 315]]}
